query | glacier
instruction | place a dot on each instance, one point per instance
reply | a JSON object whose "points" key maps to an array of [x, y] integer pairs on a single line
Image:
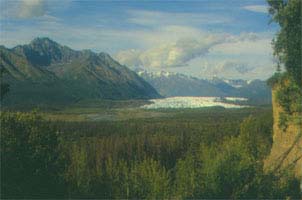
{"points": [[192, 102]]}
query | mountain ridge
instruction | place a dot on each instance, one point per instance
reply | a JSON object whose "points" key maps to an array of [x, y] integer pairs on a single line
{"points": [[74, 74], [175, 84]]}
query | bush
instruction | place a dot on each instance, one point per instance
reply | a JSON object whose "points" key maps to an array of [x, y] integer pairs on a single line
{"points": [[227, 170], [30, 164], [289, 96], [275, 79], [148, 180]]}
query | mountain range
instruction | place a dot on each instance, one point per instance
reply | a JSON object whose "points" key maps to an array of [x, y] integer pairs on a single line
{"points": [[170, 84], [47, 72]]}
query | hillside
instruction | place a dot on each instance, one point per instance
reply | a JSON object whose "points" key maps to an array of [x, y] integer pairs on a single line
{"points": [[47, 72]]}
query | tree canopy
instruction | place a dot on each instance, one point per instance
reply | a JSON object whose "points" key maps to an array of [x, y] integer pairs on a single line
{"points": [[287, 44], [4, 87]]}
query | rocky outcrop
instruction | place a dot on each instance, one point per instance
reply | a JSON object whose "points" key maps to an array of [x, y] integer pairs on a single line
{"points": [[286, 152]]}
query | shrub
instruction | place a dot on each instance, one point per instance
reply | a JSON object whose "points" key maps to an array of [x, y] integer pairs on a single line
{"points": [[30, 164]]}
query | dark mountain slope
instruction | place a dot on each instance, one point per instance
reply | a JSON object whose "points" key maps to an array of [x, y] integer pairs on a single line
{"points": [[30, 84], [44, 52], [104, 77], [44, 71], [20, 68]]}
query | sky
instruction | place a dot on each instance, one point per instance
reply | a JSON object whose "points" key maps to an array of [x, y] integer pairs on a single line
{"points": [[202, 38]]}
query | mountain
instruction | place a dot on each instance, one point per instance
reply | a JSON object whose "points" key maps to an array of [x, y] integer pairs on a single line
{"points": [[47, 72], [175, 84], [257, 91]]}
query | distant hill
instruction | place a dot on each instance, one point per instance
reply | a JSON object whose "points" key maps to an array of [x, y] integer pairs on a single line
{"points": [[47, 72], [176, 84]]}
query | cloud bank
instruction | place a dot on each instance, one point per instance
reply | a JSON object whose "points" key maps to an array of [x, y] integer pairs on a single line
{"points": [[257, 8], [207, 54], [157, 18], [194, 43], [170, 54]]}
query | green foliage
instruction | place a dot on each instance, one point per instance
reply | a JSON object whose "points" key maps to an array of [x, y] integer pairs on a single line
{"points": [[78, 174], [256, 135], [289, 96], [227, 170], [287, 45], [148, 180], [185, 177], [275, 79], [4, 87], [30, 164], [283, 121], [197, 154], [105, 174], [270, 186]]}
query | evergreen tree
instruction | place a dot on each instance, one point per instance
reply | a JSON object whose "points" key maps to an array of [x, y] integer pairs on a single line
{"points": [[4, 87], [287, 45], [30, 161]]}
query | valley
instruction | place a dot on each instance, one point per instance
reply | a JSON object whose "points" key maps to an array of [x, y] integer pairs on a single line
{"points": [[109, 110], [106, 131], [150, 99]]}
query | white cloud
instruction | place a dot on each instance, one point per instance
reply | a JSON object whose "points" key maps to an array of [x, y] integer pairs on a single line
{"points": [[172, 47], [170, 55], [237, 57], [31, 8], [257, 8], [176, 47], [156, 18], [230, 68], [129, 57], [244, 48], [247, 56]]}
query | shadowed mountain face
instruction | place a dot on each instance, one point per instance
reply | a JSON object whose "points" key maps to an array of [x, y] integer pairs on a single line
{"points": [[47, 72]]}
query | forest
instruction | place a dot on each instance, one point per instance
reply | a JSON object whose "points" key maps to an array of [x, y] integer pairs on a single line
{"points": [[205, 153]]}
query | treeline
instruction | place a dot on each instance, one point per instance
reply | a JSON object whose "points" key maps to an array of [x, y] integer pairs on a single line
{"points": [[204, 157]]}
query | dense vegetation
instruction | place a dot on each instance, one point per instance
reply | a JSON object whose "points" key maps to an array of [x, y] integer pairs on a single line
{"points": [[287, 48], [4, 87], [210, 153], [287, 44]]}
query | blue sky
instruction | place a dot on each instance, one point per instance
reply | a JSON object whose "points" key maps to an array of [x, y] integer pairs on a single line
{"points": [[225, 38]]}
